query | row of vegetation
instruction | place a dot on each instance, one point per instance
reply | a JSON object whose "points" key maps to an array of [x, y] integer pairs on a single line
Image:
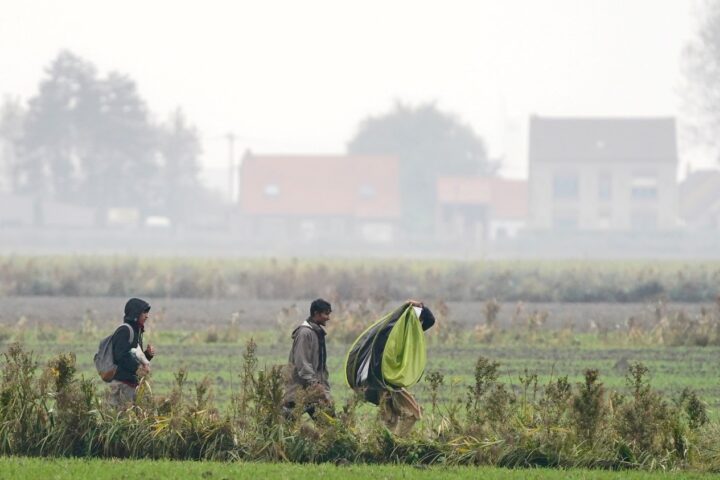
{"points": [[656, 325], [52, 412], [666, 327], [529, 281]]}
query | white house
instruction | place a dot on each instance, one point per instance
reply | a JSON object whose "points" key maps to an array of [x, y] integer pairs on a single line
{"points": [[614, 174]]}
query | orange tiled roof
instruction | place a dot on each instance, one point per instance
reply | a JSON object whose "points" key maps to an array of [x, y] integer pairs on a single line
{"points": [[508, 199], [320, 185], [463, 190]]}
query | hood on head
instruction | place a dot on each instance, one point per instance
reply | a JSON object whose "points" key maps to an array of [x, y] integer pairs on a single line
{"points": [[133, 308], [312, 326]]}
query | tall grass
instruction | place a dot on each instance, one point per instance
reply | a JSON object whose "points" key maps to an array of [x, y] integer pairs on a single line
{"points": [[49, 411]]}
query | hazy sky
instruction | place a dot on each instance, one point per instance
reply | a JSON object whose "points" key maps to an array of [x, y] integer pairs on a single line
{"points": [[298, 76]]}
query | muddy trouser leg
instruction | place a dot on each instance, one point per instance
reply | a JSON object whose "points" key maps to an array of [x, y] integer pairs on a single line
{"points": [[289, 408], [121, 395], [287, 411], [388, 413], [405, 425], [399, 412]]}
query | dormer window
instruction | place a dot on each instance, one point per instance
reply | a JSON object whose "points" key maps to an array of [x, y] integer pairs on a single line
{"points": [[644, 187]]}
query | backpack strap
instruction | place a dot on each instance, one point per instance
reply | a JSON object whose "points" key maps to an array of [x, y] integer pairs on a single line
{"points": [[132, 332]]}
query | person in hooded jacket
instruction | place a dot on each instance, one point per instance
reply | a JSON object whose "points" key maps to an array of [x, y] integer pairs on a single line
{"points": [[398, 408], [307, 376], [130, 369]]}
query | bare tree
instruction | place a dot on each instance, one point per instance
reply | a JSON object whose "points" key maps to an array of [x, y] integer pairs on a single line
{"points": [[702, 69]]}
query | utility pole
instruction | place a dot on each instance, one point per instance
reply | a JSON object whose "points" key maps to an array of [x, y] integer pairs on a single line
{"points": [[238, 177], [231, 166]]}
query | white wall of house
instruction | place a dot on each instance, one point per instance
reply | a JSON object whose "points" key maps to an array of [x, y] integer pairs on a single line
{"points": [[377, 232], [500, 229], [603, 196], [16, 210], [66, 215]]}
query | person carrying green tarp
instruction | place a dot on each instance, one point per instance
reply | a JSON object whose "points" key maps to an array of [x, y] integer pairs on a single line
{"points": [[388, 358]]}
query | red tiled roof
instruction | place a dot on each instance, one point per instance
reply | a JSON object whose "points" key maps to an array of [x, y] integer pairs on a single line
{"points": [[320, 185], [463, 190], [508, 199]]}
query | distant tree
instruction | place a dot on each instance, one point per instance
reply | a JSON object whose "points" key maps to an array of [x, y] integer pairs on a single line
{"points": [[90, 140], [702, 68], [51, 145], [429, 143], [179, 153], [120, 161], [12, 119]]}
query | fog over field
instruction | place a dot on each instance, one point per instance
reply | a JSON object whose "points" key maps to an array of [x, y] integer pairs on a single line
{"points": [[519, 129]]}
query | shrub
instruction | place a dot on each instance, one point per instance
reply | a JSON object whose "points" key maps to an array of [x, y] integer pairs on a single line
{"points": [[57, 414], [644, 421], [588, 405]]}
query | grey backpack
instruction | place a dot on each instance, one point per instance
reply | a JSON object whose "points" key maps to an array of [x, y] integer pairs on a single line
{"points": [[104, 362]]}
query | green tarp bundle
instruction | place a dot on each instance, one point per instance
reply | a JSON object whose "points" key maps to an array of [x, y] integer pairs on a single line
{"points": [[390, 354]]}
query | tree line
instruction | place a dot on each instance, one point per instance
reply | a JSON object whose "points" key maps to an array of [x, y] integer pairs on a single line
{"points": [[90, 139]]}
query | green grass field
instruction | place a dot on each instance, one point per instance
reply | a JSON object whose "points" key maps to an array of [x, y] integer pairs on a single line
{"points": [[476, 413], [71, 469], [671, 368]]}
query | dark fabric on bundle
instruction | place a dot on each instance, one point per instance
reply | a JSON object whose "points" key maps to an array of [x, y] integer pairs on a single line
{"points": [[372, 345]]}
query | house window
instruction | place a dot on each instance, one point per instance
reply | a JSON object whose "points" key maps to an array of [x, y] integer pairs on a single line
{"points": [[605, 187], [604, 218], [271, 190], [566, 221], [565, 186], [644, 187]]}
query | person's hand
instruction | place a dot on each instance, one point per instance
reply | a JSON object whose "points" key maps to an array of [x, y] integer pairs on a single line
{"points": [[415, 303], [150, 350]]}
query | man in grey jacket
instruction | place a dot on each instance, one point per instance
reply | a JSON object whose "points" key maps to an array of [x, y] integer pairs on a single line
{"points": [[307, 379]]}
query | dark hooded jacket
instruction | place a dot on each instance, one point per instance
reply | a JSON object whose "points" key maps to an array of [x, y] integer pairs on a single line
{"points": [[127, 364], [307, 360]]}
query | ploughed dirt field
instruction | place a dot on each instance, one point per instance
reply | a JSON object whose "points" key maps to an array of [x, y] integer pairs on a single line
{"points": [[253, 315]]}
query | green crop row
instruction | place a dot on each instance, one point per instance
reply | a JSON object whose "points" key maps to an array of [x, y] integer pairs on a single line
{"points": [[532, 281]]}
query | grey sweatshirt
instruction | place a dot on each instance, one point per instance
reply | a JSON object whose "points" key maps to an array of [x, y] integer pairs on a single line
{"points": [[307, 362]]}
